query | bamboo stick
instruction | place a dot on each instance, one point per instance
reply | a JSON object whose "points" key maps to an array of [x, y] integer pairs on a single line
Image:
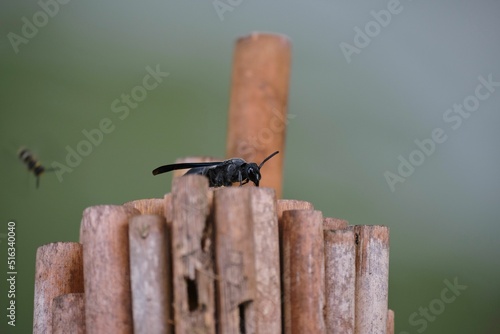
{"points": [[149, 206], [235, 260], [292, 204], [330, 223], [149, 269], [68, 314], [258, 104], [372, 278], [193, 267], [390, 322], [59, 270], [304, 271], [283, 205], [340, 281], [267, 304], [104, 235]]}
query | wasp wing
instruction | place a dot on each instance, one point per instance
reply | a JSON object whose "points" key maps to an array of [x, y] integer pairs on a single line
{"points": [[185, 165]]}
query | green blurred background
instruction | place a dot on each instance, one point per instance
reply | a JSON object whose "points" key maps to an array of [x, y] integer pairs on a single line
{"points": [[352, 120]]}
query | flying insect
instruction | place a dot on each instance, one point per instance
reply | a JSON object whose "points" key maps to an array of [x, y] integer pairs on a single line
{"points": [[33, 164], [222, 173]]}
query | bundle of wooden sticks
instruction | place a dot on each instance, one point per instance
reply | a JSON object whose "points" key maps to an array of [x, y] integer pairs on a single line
{"points": [[230, 260]]}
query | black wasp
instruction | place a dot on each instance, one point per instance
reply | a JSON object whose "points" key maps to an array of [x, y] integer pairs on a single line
{"points": [[222, 173], [33, 164]]}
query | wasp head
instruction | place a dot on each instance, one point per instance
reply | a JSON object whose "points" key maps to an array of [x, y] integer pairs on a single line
{"points": [[252, 172]]}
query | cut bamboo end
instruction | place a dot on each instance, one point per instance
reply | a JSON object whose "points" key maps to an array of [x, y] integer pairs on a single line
{"points": [[258, 104], [149, 206], [59, 270], [292, 204], [330, 223], [304, 271], [104, 235], [68, 314], [149, 268]]}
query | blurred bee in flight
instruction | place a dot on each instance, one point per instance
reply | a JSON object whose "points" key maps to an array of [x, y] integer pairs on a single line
{"points": [[33, 164]]}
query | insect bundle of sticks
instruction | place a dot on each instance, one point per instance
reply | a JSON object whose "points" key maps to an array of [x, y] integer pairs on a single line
{"points": [[220, 260]]}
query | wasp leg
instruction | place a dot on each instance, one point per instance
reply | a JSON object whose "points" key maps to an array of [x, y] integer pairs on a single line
{"points": [[240, 178]]}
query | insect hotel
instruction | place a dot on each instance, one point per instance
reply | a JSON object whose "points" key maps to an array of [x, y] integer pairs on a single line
{"points": [[221, 259]]}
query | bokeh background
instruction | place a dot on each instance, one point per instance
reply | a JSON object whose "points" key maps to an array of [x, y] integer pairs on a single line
{"points": [[353, 117]]}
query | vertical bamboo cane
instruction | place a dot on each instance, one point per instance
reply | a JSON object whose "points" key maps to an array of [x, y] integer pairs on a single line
{"points": [[283, 205], [104, 235], [149, 268], [258, 104], [59, 270], [340, 274], [68, 314], [267, 305], [304, 262], [192, 258], [235, 259], [372, 278]]}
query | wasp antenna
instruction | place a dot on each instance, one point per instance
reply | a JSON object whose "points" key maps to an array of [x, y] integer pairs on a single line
{"points": [[269, 157]]}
